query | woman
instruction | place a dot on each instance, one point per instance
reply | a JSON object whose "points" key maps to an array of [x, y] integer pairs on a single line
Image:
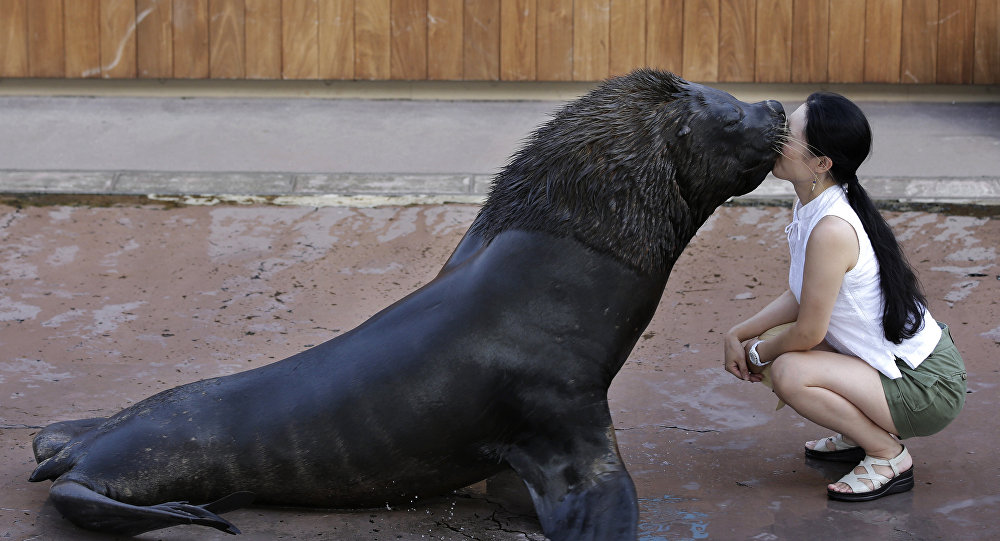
{"points": [[861, 355]]}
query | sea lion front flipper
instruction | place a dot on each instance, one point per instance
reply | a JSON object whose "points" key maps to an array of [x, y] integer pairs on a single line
{"points": [[93, 511], [579, 484]]}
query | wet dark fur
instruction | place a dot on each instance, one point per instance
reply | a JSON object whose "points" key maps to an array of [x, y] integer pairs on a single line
{"points": [[504, 359], [619, 171]]}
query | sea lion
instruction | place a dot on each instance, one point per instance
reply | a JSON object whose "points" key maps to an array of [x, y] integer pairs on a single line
{"points": [[503, 359]]}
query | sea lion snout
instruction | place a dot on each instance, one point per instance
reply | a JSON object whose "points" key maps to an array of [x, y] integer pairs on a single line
{"points": [[772, 115], [774, 112], [767, 118], [775, 108]]}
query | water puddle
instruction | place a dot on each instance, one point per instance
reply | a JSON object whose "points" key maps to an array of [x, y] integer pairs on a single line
{"points": [[666, 518]]}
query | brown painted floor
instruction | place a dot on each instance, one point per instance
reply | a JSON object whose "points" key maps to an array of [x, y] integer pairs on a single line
{"points": [[102, 307]]}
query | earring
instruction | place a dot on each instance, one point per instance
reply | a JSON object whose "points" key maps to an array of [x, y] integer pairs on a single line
{"points": [[814, 186]]}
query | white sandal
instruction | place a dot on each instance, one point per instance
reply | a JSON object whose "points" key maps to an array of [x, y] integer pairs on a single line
{"points": [[882, 485], [842, 451]]}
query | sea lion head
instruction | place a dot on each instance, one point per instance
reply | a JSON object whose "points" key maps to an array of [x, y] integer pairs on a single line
{"points": [[725, 145], [635, 166]]}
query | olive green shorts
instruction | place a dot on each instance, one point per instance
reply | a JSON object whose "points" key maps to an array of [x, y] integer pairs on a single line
{"points": [[927, 398]]}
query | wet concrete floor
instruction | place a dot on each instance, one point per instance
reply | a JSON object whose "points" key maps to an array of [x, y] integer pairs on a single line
{"points": [[102, 307]]}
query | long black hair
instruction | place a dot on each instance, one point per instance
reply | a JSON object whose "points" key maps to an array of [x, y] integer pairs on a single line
{"points": [[838, 129]]}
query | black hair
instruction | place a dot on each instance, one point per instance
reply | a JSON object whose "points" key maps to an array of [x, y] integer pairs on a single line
{"points": [[838, 129]]}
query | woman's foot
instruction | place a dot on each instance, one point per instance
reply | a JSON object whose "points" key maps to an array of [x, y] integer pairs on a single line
{"points": [[875, 477], [836, 448]]}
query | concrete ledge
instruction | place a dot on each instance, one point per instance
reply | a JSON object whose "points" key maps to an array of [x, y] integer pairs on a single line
{"points": [[317, 184], [81, 182], [965, 190], [141, 183], [343, 188]]}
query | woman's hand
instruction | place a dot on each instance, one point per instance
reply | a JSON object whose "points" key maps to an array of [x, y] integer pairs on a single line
{"points": [[736, 357], [784, 309], [755, 371]]}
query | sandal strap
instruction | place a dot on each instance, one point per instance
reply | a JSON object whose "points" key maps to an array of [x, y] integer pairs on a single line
{"points": [[894, 462], [877, 480], [854, 480], [838, 444]]}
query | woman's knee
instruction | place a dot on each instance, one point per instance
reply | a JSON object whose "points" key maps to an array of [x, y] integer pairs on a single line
{"points": [[787, 374]]}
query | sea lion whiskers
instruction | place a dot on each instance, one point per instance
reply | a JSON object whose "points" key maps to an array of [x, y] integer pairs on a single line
{"points": [[802, 156], [786, 138]]}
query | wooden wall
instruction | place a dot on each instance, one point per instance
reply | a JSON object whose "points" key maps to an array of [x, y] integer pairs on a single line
{"points": [[877, 41]]}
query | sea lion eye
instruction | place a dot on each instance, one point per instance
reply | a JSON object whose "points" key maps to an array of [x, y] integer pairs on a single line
{"points": [[731, 115], [685, 129], [727, 114]]}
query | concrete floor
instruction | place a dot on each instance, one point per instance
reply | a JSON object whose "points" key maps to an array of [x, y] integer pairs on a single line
{"points": [[102, 307]]}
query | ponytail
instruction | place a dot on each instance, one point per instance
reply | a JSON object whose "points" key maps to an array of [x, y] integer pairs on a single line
{"points": [[838, 129], [903, 313]]}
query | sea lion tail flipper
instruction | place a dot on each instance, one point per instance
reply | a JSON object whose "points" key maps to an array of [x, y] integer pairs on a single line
{"points": [[579, 485], [54, 437], [56, 465], [51, 468], [90, 510]]}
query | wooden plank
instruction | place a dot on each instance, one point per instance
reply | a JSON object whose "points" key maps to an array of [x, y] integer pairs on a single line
{"points": [[627, 37], [554, 40], [918, 49], [518, 22], [336, 39], [371, 39], [846, 63], [445, 31], [956, 41], [154, 38], [481, 53], [46, 48], [190, 36], [883, 38], [13, 38], [226, 39], [591, 28], [737, 40], [262, 39], [118, 39], [408, 49], [774, 41], [986, 70], [83, 38], [701, 40], [299, 39], [665, 35], [810, 45]]}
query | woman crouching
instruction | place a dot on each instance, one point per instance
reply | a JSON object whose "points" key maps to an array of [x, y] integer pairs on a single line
{"points": [[850, 345]]}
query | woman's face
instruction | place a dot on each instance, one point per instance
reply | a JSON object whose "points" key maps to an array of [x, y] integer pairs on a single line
{"points": [[796, 162]]}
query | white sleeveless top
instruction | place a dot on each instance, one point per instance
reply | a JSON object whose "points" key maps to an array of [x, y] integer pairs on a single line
{"points": [[856, 323]]}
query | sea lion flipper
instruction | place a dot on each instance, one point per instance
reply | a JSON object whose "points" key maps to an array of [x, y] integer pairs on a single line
{"points": [[579, 486], [604, 509], [93, 511]]}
